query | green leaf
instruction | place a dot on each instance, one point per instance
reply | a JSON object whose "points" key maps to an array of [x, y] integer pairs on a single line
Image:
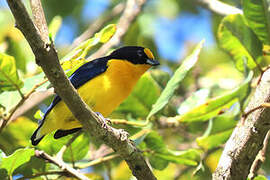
{"points": [[78, 149], [189, 157], [157, 162], [16, 134], [82, 50], [161, 77], [72, 65], [3, 172], [215, 106], [260, 177], [9, 79], [215, 140], [76, 58], [174, 82], [258, 18], [54, 26], [161, 154], [106, 33], [18, 158], [155, 142], [194, 100], [2, 155], [239, 41], [139, 102], [52, 146], [14, 96], [13, 99], [33, 166]]}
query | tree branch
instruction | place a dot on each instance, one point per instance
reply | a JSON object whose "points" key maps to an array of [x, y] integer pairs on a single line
{"points": [[97, 24], [47, 58], [247, 139], [39, 19], [219, 7], [60, 164], [43, 174], [260, 158], [131, 11]]}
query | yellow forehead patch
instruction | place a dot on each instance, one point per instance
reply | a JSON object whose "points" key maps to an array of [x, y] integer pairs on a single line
{"points": [[148, 53]]}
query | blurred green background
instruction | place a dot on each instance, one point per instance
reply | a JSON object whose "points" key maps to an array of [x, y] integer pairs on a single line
{"points": [[171, 29]]}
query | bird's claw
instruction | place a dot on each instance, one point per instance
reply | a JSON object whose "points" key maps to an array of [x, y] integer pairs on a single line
{"points": [[105, 121]]}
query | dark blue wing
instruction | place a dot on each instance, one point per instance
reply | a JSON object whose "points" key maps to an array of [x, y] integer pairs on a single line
{"points": [[83, 74]]}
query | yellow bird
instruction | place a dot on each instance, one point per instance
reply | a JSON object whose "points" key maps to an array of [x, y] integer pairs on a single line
{"points": [[103, 84]]}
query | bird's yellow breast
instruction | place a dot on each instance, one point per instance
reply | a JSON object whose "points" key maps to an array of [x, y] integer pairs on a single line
{"points": [[103, 94]]}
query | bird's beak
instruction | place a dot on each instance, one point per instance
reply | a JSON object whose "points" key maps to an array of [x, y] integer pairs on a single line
{"points": [[152, 62]]}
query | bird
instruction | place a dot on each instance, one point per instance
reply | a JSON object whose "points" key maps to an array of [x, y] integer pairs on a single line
{"points": [[103, 83]]}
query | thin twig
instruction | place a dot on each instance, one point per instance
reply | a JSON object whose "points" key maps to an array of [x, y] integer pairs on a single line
{"points": [[14, 84], [264, 105], [219, 7], [60, 164], [43, 174], [260, 158], [64, 148], [98, 161], [131, 11], [46, 57], [13, 110], [97, 24], [131, 123]]}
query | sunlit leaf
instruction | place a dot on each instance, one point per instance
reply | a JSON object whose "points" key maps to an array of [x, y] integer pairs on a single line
{"points": [[121, 171], [260, 177], [236, 37], [82, 50], [54, 26], [14, 96], [212, 159], [189, 157], [214, 140], [197, 98], [164, 175], [76, 58], [106, 33], [19, 157], [17, 134], [258, 18], [2, 155], [216, 106], [174, 82], [9, 79], [72, 65]]}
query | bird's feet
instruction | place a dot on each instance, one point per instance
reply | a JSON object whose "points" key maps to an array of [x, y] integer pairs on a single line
{"points": [[105, 121]]}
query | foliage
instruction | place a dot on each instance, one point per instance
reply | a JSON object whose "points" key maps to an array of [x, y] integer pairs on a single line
{"points": [[179, 115]]}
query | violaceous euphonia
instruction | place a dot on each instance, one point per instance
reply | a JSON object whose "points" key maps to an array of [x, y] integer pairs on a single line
{"points": [[102, 83]]}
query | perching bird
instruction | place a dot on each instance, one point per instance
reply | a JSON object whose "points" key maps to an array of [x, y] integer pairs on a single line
{"points": [[103, 84]]}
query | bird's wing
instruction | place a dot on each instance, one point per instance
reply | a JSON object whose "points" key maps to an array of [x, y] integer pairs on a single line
{"points": [[83, 74]]}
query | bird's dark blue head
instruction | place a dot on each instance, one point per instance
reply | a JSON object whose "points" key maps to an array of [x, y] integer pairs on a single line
{"points": [[135, 55]]}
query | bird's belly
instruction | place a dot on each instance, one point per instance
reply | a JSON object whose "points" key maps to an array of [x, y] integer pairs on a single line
{"points": [[101, 94]]}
